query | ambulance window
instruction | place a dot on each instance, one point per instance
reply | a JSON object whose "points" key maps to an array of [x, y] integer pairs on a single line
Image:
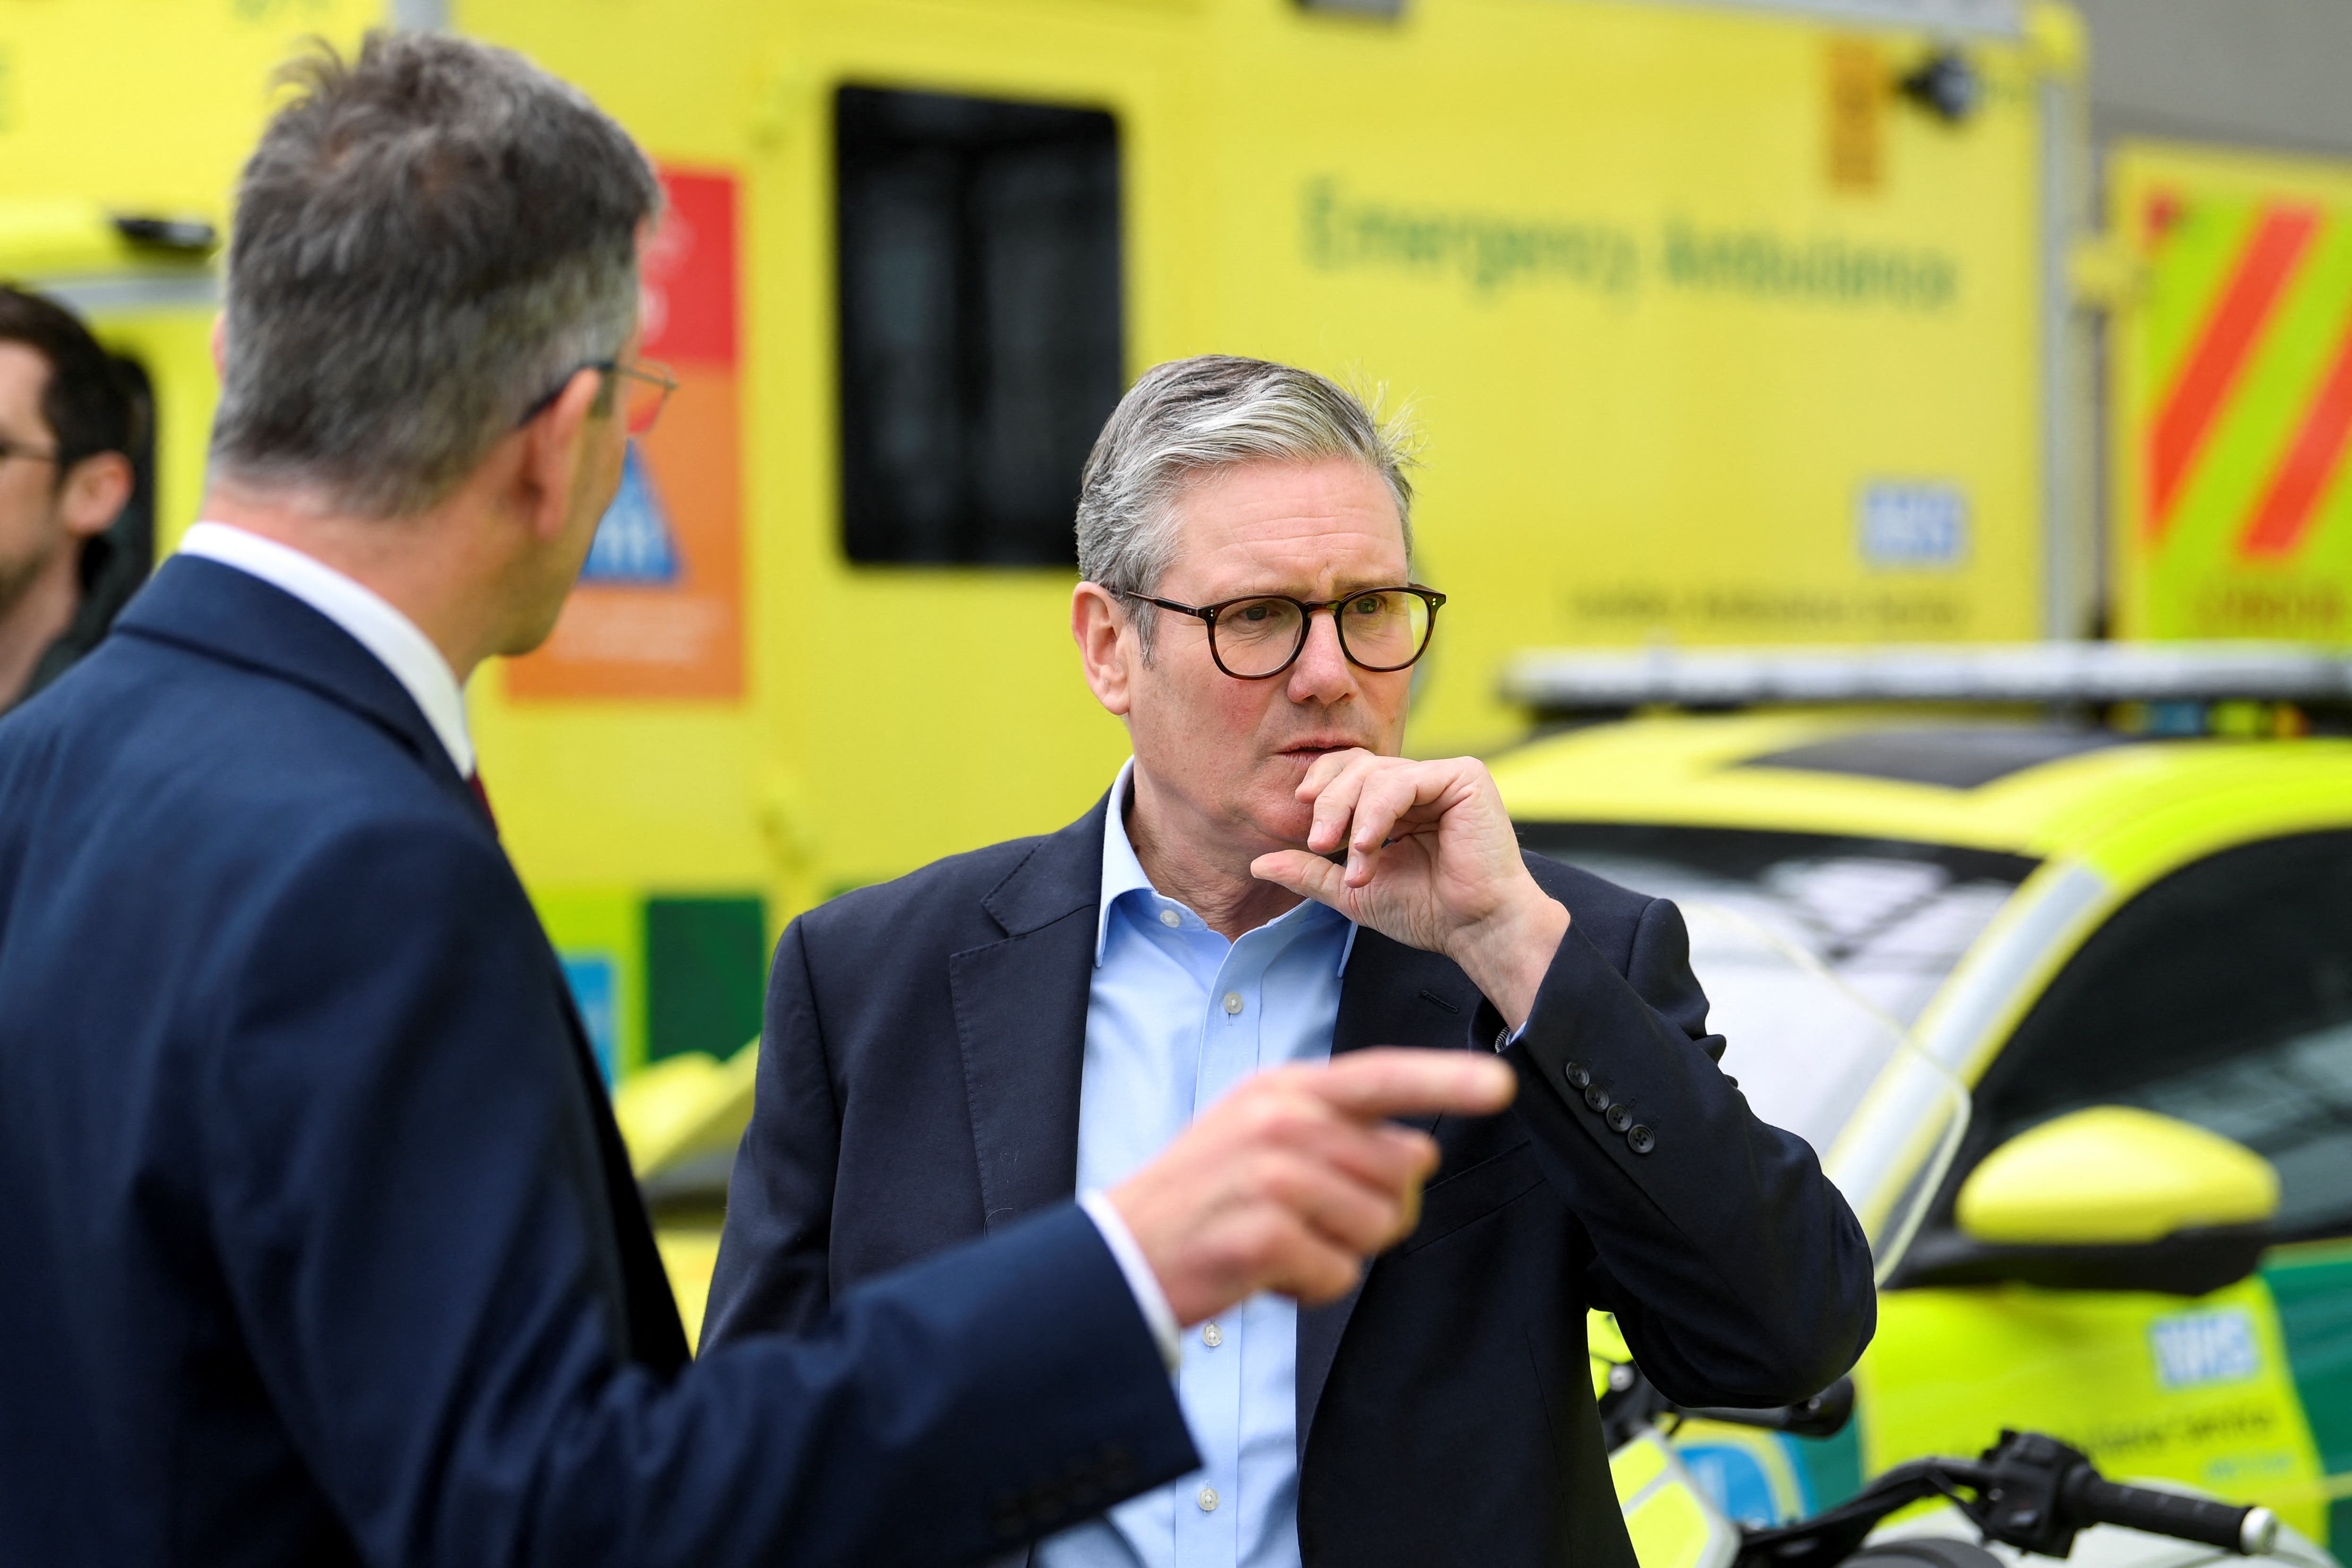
{"points": [[2222, 996], [1889, 918], [982, 344]]}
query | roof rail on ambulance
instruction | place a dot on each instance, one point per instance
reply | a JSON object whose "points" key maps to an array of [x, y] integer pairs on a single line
{"points": [[1568, 680]]}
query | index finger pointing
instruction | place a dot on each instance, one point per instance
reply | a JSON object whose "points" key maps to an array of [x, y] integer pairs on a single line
{"points": [[1393, 1080]]}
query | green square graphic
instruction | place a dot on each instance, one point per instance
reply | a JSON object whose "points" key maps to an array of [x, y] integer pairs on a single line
{"points": [[707, 965]]}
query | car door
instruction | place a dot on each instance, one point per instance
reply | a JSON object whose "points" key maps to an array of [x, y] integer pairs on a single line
{"points": [[2220, 995]]}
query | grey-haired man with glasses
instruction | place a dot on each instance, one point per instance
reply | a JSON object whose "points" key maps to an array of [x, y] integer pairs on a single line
{"points": [[1269, 884]]}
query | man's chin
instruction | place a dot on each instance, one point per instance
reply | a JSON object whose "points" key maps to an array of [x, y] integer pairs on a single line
{"points": [[1279, 820]]}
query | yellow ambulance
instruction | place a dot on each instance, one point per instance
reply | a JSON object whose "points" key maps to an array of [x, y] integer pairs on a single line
{"points": [[1726, 323], [1723, 321]]}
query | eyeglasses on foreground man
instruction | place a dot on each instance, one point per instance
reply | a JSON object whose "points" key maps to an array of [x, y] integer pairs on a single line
{"points": [[320, 1245], [1269, 884]]}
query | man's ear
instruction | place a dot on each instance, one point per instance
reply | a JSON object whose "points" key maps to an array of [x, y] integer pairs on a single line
{"points": [[95, 491], [1107, 648], [553, 444]]}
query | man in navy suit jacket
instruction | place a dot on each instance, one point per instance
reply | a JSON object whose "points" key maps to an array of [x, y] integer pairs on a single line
{"points": [[1245, 609], [320, 1242]]}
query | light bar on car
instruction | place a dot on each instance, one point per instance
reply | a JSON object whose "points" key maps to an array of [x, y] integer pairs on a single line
{"points": [[1556, 680]]}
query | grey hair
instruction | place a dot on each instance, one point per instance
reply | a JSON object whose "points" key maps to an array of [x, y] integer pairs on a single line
{"points": [[1188, 419], [428, 240]]}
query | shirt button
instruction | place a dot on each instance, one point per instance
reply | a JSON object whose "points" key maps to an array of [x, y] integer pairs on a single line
{"points": [[1208, 1500], [1232, 1001], [1169, 917], [1211, 1335]]}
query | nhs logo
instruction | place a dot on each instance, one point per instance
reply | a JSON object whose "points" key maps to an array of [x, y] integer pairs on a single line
{"points": [[2198, 1348], [1907, 524]]}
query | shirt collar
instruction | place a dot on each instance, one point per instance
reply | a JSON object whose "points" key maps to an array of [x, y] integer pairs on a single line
{"points": [[370, 619], [1123, 873]]}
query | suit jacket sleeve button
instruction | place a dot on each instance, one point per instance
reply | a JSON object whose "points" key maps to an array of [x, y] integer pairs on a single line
{"points": [[1579, 1076], [1597, 1097], [1640, 1140], [1619, 1118]]}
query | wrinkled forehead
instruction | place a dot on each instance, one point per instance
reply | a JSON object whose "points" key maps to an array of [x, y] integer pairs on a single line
{"points": [[1272, 526]]}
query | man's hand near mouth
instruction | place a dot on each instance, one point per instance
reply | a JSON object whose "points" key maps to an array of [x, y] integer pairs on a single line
{"points": [[1431, 861]]}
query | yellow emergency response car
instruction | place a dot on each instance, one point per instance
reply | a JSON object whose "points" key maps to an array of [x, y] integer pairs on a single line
{"points": [[1724, 321], [2133, 1228]]}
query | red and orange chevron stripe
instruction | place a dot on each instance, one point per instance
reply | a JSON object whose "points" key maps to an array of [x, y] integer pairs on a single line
{"points": [[2238, 413]]}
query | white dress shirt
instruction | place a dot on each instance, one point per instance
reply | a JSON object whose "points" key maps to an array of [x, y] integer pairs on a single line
{"points": [[1176, 1016]]}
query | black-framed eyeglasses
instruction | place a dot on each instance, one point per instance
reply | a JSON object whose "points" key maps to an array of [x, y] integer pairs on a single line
{"points": [[1257, 638], [29, 453], [644, 388]]}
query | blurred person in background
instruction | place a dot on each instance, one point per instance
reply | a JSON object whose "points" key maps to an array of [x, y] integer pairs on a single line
{"points": [[1269, 882], [67, 424], [320, 1243]]}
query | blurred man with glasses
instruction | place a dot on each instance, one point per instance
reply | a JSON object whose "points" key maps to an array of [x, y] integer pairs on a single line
{"points": [[68, 422], [1269, 882]]}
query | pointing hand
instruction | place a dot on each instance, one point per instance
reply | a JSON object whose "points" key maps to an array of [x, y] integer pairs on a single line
{"points": [[1293, 1180]]}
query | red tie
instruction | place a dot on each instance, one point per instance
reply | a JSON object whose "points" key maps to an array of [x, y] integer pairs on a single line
{"points": [[473, 782]]}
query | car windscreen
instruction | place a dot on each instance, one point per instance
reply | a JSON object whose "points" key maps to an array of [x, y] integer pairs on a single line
{"points": [[2220, 995], [1888, 919]]}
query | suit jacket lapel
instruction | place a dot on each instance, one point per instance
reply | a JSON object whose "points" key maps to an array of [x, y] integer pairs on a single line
{"points": [[1393, 995], [1021, 1021]]}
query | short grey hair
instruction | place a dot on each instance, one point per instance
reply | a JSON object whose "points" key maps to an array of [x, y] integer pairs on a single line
{"points": [[1188, 419], [428, 240]]}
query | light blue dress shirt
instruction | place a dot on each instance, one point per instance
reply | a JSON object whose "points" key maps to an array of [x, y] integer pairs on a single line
{"points": [[1176, 1016]]}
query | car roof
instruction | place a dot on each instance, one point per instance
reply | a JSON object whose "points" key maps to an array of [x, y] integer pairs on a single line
{"points": [[2009, 784]]}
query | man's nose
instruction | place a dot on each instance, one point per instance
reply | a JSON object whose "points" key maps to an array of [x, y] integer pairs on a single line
{"points": [[1321, 674]]}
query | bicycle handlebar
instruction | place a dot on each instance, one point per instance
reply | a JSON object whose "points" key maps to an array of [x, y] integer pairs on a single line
{"points": [[2031, 1491]]}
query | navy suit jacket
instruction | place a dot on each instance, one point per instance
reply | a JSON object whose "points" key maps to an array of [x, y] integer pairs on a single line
{"points": [[318, 1244], [919, 1086]]}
